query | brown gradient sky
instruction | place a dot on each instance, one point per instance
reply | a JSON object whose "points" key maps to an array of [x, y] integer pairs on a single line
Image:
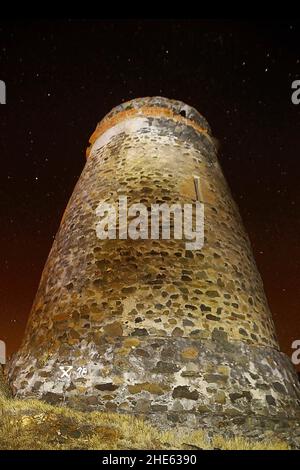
{"points": [[62, 77]]}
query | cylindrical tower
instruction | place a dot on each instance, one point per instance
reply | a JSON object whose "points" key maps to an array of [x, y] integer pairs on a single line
{"points": [[147, 326]]}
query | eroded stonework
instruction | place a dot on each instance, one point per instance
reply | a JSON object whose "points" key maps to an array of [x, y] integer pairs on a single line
{"points": [[146, 326], [4, 389]]}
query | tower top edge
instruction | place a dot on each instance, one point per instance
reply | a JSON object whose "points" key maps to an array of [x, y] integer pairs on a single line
{"points": [[177, 107], [155, 106]]}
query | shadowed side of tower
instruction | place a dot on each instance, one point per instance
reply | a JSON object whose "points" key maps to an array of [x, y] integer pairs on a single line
{"points": [[147, 326]]}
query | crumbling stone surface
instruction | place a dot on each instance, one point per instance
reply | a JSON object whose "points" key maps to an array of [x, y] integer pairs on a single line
{"points": [[4, 387], [145, 326], [242, 380]]}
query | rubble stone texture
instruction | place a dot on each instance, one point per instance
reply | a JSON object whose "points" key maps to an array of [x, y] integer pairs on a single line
{"points": [[4, 388], [145, 326]]}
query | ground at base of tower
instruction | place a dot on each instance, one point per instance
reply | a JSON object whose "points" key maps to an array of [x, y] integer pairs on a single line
{"points": [[35, 425]]}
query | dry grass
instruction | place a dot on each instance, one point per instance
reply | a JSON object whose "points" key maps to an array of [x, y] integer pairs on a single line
{"points": [[240, 443], [32, 424]]}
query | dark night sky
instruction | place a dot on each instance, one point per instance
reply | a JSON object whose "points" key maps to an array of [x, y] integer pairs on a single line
{"points": [[63, 76]]}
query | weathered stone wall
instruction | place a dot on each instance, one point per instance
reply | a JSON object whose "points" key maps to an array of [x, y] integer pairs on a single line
{"points": [[4, 388], [157, 328]]}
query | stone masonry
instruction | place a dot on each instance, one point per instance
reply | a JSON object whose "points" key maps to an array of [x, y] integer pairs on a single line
{"points": [[145, 326]]}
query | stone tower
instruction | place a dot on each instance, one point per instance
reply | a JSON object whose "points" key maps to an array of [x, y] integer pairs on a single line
{"points": [[146, 326]]}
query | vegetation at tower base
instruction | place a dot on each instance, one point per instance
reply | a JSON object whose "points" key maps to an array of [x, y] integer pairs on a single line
{"points": [[145, 326], [32, 424]]}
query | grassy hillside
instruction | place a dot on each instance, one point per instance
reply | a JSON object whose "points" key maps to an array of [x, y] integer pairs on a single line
{"points": [[31, 424]]}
